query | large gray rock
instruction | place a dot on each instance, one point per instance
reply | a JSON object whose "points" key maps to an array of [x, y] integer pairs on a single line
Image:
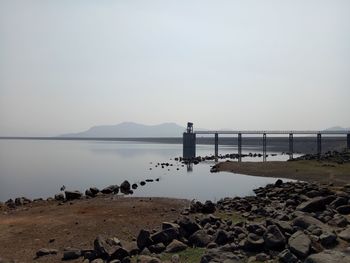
{"points": [[110, 189], [221, 237], [345, 234], [299, 244], [316, 204], [103, 248], [344, 209], [72, 195], [305, 221], [254, 242], [328, 256], [175, 246], [188, 226], [71, 253], [287, 257], [165, 236], [200, 239], [144, 239], [274, 239]]}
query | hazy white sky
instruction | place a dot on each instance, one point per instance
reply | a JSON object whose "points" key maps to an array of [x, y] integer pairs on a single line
{"points": [[66, 65]]}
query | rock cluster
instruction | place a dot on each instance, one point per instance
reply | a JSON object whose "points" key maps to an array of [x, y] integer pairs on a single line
{"points": [[330, 156], [125, 188], [284, 222]]}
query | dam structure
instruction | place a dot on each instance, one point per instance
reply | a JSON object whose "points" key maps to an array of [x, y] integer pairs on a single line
{"points": [[189, 139]]}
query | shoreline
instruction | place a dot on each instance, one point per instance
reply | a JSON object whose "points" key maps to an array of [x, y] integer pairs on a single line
{"points": [[311, 171], [270, 226]]}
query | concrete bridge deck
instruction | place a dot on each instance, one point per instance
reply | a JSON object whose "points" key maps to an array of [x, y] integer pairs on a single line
{"points": [[189, 139], [274, 132]]}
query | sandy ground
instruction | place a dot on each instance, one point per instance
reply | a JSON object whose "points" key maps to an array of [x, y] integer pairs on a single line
{"points": [[76, 224], [311, 171]]}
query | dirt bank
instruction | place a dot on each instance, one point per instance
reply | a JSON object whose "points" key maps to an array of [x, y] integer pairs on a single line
{"points": [[311, 171], [76, 224]]}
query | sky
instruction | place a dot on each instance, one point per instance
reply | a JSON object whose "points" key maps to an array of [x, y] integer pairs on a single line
{"points": [[68, 65]]}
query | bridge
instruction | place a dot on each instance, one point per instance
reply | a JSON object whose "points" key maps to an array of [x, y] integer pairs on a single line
{"points": [[189, 139]]}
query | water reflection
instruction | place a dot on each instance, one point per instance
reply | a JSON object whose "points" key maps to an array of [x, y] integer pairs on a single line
{"points": [[39, 168]]}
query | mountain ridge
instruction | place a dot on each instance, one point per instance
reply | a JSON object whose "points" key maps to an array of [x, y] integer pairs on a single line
{"points": [[131, 129]]}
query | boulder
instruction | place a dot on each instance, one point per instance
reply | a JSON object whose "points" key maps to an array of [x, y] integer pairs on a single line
{"points": [[287, 257], [175, 246], [144, 239], [208, 207], [328, 239], [10, 203], [119, 253], [46, 251], [89, 193], [299, 244], [278, 183], [102, 248], [344, 209], [339, 201], [221, 237], [59, 197], [188, 226], [110, 189], [157, 248], [274, 239], [305, 221], [328, 256], [345, 234], [134, 186], [71, 253], [199, 239], [165, 236], [125, 187], [316, 204], [131, 247], [94, 190], [254, 242], [72, 195]]}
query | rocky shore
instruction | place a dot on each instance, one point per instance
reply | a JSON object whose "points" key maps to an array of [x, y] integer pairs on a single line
{"points": [[283, 222]]}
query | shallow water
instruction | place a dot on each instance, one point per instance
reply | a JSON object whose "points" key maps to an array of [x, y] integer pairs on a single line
{"points": [[38, 168]]}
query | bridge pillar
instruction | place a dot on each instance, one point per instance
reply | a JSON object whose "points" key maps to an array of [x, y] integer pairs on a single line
{"points": [[239, 147], [216, 145], [319, 144], [291, 146], [348, 140], [264, 147], [189, 145]]}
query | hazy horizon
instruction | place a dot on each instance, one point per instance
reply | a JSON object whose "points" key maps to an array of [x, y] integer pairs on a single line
{"points": [[66, 66]]}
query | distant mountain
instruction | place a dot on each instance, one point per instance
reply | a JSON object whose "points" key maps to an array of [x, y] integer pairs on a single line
{"points": [[337, 128], [131, 130]]}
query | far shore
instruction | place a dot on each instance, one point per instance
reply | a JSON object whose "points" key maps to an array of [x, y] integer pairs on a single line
{"points": [[310, 171]]}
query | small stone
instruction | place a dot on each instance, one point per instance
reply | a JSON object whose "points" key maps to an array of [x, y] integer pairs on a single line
{"points": [[46, 251], [71, 253]]}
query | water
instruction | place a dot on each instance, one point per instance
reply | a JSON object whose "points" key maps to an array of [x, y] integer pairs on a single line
{"points": [[38, 168]]}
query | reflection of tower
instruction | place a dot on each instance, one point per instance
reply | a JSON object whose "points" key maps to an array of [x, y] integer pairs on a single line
{"points": [[189, 167]]}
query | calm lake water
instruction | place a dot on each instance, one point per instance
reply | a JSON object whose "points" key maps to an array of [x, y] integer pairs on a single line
{"points": [[38, 168]]}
